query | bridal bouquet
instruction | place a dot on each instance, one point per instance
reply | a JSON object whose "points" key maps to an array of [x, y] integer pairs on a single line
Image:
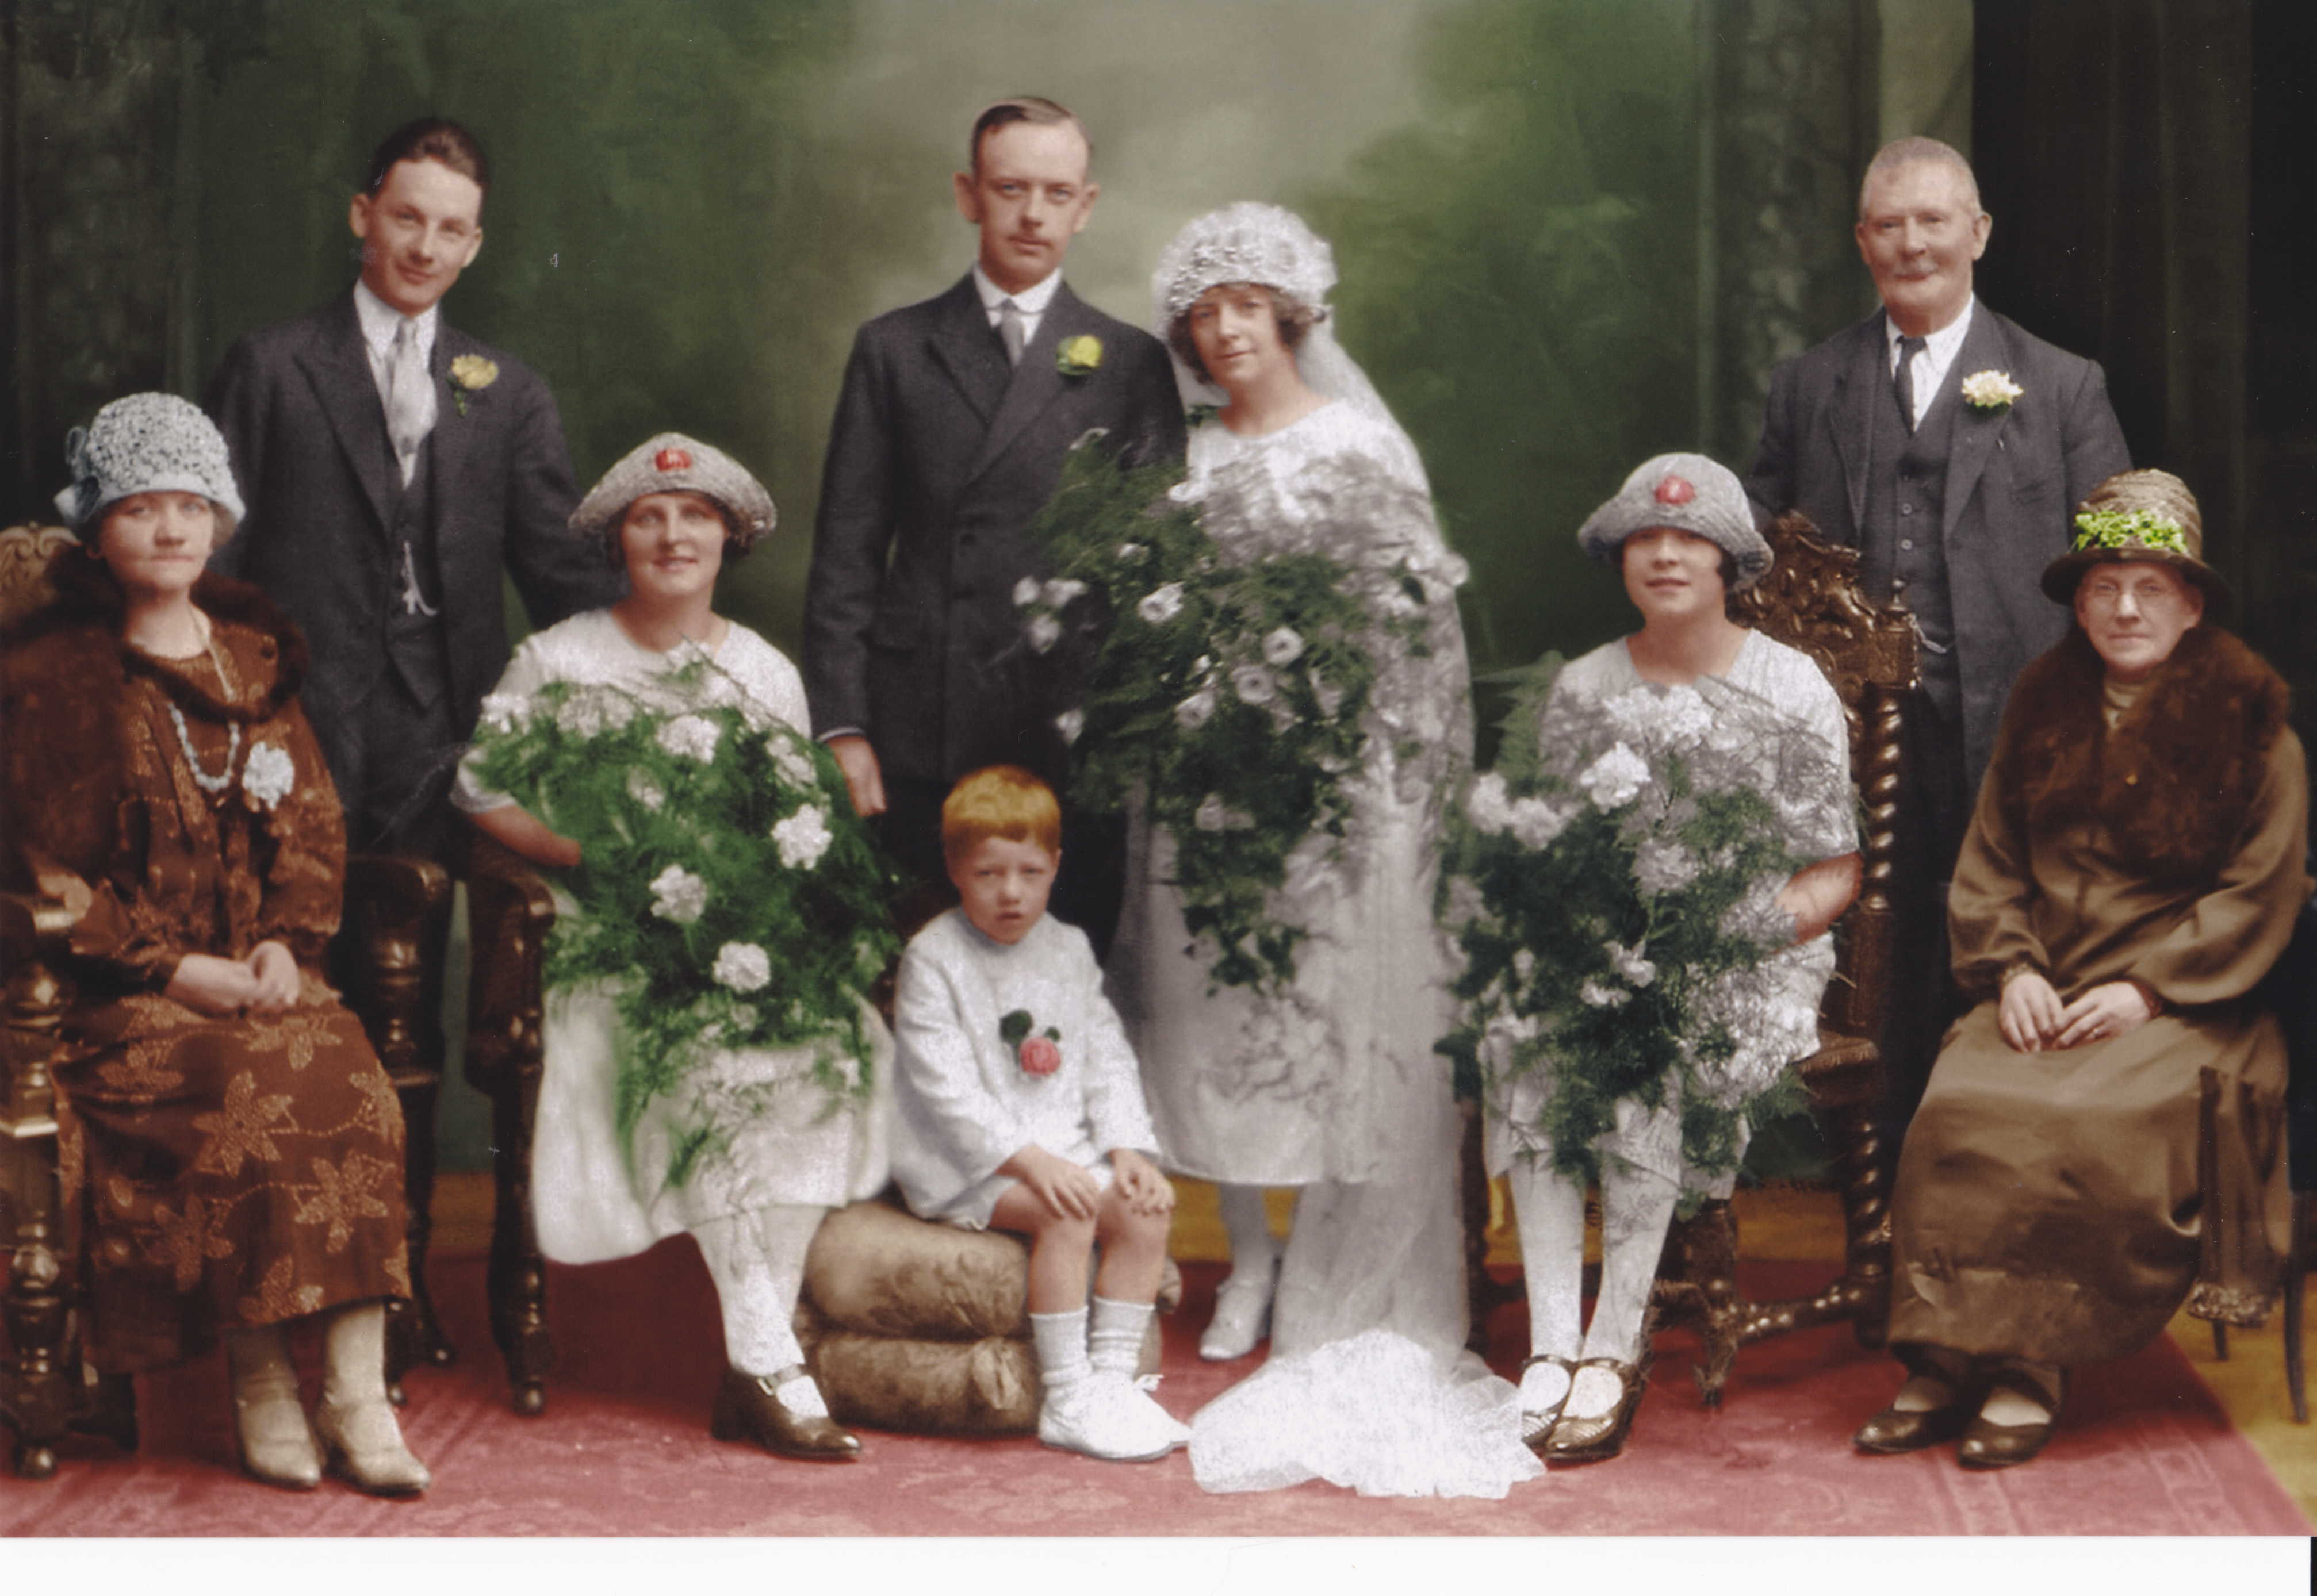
{"points": [[1228, 688], [729, 895], [1612, 884]]}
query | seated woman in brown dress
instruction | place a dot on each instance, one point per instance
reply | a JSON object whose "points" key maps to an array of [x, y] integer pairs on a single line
{"points": [[232, 1145], [2133, 869]]}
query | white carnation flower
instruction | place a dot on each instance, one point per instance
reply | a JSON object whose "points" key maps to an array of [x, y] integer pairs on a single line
{"points": [[1025, 593], [1601, 997], [267, 776], [1660, 867], [690, 736], [1684, 718], [1070, 723], [794, 764], [1283, 646], [1628, 962], [743, 966], [645, 791], [1061, 589], [1524, 964], [1161, 604], [1615, 778], [1212, 814], [678, 896], [1488, 806], [1044, 631], [803, 837], [1254, 684], [1535, 821], [1196, 711], [501, 711]]}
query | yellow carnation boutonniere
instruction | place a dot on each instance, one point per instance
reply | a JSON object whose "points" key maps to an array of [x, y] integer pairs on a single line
{"points": [[1991, 393], [1079, 356], [471, 374]]}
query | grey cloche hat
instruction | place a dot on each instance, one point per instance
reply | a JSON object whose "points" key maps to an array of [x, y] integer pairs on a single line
{"points": [[147, 443], [1690, 493], [673, 463]]}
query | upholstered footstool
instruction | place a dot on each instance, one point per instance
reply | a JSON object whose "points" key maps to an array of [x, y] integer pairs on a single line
{"points": [[925, 1327]]}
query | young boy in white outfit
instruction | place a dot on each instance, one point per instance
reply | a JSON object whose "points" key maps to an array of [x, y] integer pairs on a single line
{"points": [[1019, 1107]]}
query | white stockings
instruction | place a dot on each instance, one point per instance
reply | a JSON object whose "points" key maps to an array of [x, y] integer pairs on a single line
{"points": [[1636, 1210], [756, 1259]]}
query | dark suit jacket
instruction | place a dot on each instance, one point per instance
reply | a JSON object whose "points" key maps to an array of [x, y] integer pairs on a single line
{"points": [[302, 415], [939, 457], [2014, 480]]}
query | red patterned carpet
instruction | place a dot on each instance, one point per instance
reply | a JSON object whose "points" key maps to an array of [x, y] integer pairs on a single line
{"points": [[624, 1449]]}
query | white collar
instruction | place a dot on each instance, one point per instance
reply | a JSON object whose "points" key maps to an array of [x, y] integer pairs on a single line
{"points": [[1032, 300], [1941, 345], [380, 319]]}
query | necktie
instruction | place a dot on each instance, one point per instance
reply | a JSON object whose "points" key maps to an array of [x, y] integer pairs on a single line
{"points": [[1903, 378], [1009, 330], [409, 416]]}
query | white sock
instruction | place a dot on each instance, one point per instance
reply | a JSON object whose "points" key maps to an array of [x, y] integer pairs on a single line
{"points": [[1062, 1342], [1636, 1210], [756, 1259], [1549, 1208], [1253, 1247], [1114, 1335]]}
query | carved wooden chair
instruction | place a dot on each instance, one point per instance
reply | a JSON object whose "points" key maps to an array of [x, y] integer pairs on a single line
{"points": [[390, 903], [1809, 601]]}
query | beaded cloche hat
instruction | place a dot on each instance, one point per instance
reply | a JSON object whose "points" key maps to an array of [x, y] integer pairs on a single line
{"points": [[145, 443]]}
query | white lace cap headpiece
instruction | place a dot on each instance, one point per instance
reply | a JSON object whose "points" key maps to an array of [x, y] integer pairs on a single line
{"points": [[1249, 242]]}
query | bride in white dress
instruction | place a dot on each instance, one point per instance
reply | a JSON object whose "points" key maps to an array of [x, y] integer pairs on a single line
{"points": [[1330, 1086]]}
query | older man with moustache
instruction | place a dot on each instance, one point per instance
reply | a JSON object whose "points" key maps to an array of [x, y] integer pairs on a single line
{"points": [[949, 435], [1946, 444]]}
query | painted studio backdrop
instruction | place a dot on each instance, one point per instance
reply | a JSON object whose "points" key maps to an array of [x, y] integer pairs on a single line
{"points": [[1571, 233]]}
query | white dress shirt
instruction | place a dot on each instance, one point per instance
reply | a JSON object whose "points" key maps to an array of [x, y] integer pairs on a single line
{"points": [[1031, 301], [378, 322], [1931, 360]]}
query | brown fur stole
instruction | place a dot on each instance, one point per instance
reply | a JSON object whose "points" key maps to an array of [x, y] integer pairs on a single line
{"points": [[2173, 782]]}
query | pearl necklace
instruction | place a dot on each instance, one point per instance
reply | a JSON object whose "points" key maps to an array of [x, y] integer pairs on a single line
{"points": [[213, 785]]}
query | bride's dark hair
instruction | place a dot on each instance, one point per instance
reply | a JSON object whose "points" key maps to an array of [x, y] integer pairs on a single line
{"points": [[1295, 320]]}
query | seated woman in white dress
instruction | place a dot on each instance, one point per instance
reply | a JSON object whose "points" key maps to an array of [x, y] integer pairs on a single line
{"points": [[1328, 1082], [673, 511], [1680, 532]]}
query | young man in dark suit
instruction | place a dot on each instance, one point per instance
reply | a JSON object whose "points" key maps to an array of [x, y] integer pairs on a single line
{"points": [[394, 470], [1950, 447], [949, 435]]}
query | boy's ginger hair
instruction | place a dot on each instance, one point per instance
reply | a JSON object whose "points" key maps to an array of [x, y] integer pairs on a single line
{"points": [[999, 801]]}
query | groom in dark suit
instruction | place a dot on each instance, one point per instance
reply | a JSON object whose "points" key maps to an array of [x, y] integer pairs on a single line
{"points": [[949, 435], [1950, 447], [394, 469]]}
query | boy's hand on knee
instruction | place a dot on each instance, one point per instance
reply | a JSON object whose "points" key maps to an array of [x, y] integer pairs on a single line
{"points": [[1145, 1190], [1068, 1192]]}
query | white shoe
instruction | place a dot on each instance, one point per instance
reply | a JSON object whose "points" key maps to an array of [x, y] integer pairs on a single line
{"points": [[1242, 1314], [1109, 1419]]}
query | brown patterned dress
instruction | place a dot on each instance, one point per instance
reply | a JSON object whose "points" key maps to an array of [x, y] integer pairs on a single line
{"points": [[228, 1171]]}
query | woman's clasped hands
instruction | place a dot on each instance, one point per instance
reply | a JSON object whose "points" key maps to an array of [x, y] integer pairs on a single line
{"points": [[2033, 1020]]}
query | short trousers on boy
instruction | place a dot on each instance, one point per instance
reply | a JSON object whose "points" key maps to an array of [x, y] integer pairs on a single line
{"points": [[970, 1208]]}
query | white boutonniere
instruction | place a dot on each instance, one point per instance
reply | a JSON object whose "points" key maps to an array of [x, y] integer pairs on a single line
{"points": [[471, 374], [1990, 392], [268, 776]]}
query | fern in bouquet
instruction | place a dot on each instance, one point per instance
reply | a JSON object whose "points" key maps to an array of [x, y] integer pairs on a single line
{"points": [[1226, 693], [1612, 883], [729, 897]]}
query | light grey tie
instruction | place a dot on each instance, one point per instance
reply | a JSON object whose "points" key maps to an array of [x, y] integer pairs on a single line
{"points": [[408, 415], [1009, 330]]}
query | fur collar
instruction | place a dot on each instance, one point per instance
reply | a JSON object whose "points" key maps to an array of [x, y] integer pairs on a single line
{"points": [[88, 598], [2172, 783]]}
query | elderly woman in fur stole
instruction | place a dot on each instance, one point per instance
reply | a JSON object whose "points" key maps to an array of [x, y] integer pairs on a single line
{"points": [[2133, 868]]}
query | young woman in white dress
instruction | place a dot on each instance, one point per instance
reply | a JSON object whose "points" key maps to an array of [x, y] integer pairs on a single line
{"points": [[1330, 1086], [672, 511]]}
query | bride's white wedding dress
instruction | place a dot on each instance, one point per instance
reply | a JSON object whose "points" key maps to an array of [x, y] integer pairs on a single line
{"points": [[1333, 1085]]}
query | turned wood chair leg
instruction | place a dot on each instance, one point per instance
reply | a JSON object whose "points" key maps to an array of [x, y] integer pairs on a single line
{"points": [[1866, 1176], [40, 1389], [2297, 1281], [415, 1334], [517, 1279]]}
